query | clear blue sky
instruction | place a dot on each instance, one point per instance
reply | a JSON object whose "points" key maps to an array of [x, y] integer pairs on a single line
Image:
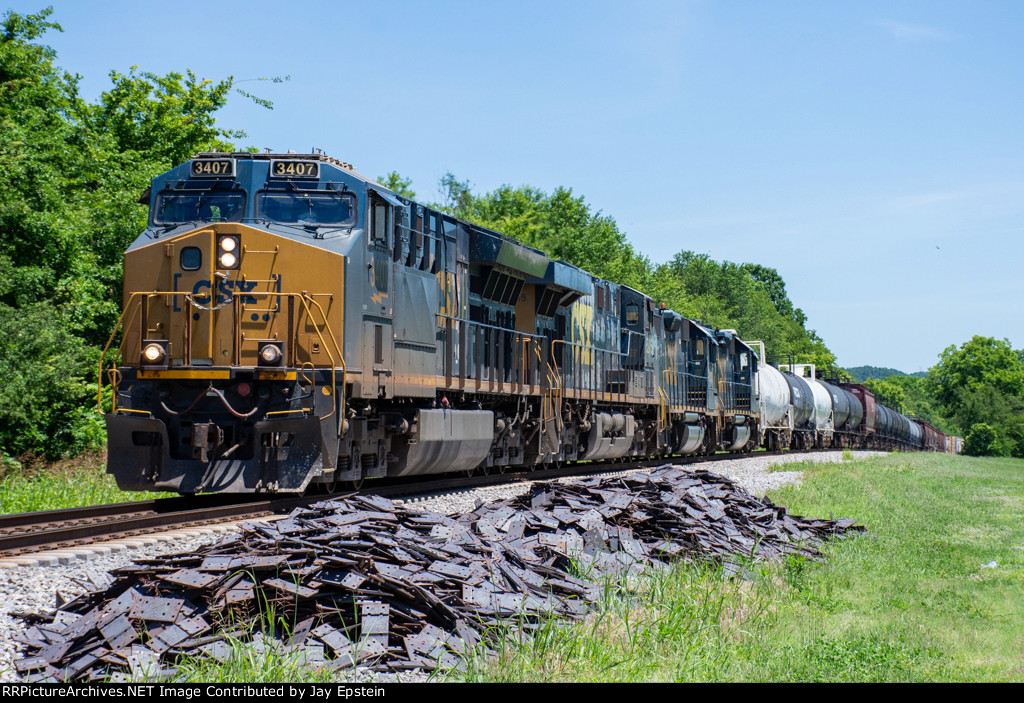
{"points": [[872, 152]]}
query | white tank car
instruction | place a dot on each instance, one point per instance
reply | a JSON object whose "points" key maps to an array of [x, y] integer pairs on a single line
{"points": [[774, 395], [822, 406]]}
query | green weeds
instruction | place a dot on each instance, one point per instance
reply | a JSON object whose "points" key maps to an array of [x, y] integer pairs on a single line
{"points": [[67, 484]]}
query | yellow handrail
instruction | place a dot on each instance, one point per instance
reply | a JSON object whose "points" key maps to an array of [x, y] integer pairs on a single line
{"points": [[662, 410], [341, 357]]}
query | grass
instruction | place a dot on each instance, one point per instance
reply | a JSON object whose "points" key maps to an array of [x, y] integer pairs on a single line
{"points": [[271, 664], [671, 625], [908, 601], [65, 484]]}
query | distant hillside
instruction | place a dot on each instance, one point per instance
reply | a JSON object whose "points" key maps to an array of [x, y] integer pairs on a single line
{"points": [[860, 373]]}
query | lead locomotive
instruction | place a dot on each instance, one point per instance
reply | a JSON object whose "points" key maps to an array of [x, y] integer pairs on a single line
{"points": [[289, 322]]}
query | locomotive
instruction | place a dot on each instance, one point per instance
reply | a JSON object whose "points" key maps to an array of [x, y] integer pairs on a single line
{"points": [[289, 323]]}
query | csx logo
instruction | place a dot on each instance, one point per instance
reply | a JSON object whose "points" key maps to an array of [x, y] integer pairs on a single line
{"points": [[225, 291]]}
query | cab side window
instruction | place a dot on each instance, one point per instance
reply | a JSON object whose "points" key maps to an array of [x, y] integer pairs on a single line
{"points": [[381, 223], [632, 314]]}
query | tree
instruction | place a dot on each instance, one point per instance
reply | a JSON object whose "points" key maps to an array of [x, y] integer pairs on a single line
{"points": [[982, 362], [984, 440], [458, 196], [772, 283], [919, 402], [46, 406], [980, 387], [71, 173], [394, 182], [725, 294], [888, 392]]}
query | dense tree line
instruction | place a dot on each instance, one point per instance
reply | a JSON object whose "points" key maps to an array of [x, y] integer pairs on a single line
{"points": [[979, 387], [975, 391], [859, 373]]}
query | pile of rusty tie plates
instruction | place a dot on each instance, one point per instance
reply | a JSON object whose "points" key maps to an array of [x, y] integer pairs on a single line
{"points": [[361, 580]]}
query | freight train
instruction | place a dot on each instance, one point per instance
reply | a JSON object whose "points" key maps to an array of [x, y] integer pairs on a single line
{"points": [[289, 323]]}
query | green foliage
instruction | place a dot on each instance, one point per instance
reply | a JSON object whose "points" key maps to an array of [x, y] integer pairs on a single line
{"points": [[918, 402], [983, 362], [980, 388], [69, 484], [889, 393], [771, 282], [725, 294], [45, 405], [458, 197], [859, 373], [394, 182], [984, 440], [71, 173]]}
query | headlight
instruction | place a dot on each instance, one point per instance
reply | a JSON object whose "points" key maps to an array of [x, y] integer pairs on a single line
{"points": [[270, 354], [154, 353], [228, 256]]}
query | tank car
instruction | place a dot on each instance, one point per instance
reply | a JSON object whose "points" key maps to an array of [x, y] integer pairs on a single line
{"points": [[800, 410], [289, 322]]}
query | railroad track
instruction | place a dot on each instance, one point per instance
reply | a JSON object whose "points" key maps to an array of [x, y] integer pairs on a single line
{"points": [[23, 533]]}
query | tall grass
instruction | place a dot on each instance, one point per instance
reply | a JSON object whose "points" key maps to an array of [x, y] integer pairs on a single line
{"points": [[932, 592], [68, 484], [675, 624]]}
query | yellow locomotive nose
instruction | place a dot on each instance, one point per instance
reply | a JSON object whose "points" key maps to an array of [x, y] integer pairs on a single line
{"points": [[223, 290]]}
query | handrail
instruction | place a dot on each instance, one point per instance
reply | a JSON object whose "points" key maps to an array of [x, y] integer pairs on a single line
{"points": [[488, 341], [551, 390], [662, 410], [555, 375], [671, 386], [106, 348], [341, 355]]}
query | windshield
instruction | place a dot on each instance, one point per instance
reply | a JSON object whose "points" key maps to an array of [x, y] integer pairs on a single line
{"points": [[177, 207], [311, 207]]}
